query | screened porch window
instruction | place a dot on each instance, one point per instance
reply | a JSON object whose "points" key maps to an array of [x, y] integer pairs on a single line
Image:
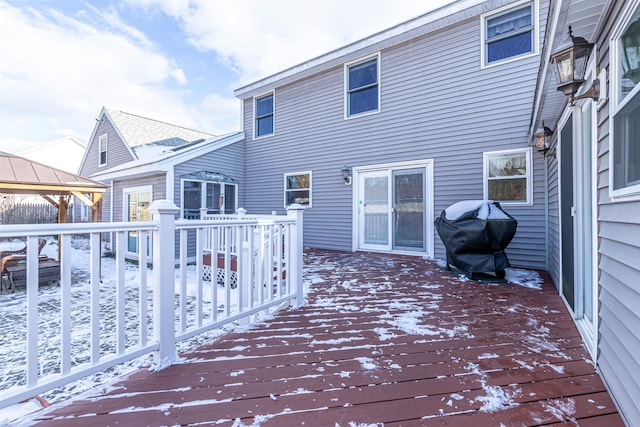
{"points": [[509, 34], [215, 192], [508, 176]]}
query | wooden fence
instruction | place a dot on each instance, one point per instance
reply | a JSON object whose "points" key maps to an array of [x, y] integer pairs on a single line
{"points": [[29, 213]]}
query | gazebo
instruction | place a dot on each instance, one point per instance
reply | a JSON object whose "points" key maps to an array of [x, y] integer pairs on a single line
{"points": [[22, 176]]}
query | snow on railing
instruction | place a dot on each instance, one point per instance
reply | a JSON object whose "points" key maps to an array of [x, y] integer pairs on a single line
{"points": [[108, 310]]}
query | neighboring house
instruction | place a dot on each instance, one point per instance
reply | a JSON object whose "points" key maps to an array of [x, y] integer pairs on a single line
{"points": [[65, 154], [593, 173], [145, 160], [428, 113]]}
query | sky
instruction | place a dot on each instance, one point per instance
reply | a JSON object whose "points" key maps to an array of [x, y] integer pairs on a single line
{"points": [[178, 61]]}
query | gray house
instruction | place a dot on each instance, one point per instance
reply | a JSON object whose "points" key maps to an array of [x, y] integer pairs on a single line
{"points": [[592, 164], [145, 160], [412, 119]]}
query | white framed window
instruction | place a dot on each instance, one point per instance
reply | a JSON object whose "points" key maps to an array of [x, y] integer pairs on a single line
{"points": [[264, 115], [507, 176], [362, 86], [624, 166], [297, 189], [84, 212], [509, 33], [102, 150]]}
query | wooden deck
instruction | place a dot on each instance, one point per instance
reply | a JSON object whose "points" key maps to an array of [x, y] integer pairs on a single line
{"points": [[384, 340]]}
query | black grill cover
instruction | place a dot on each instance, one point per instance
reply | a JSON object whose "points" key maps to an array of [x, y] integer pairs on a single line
{"points": [[476, 243]]}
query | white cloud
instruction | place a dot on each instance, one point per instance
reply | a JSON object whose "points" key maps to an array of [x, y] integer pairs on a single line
{"points": [[259, 38], [58, 69]]}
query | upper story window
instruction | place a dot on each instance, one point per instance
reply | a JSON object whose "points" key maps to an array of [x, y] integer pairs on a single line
{"points": [[362, 83], [507, 176], [625, 149], [297, 189], [264, 116], [509, 33], [102, 150]]}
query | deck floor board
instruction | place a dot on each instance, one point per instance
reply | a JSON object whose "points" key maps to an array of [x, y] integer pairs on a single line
{"points": [[383, 340]]}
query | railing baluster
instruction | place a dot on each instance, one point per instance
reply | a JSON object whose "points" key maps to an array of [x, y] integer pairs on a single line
{"points": [[32, 311], [199, 312], [142, 283], [94, 274], [183, 280], [121, 240], [65, 303]]}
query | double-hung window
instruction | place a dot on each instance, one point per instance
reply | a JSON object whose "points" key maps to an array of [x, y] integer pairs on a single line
{"points": [[625, 149], [507, 176], [509, 33], [362, 82], [264, 116], [102, 150], [297, 189]]}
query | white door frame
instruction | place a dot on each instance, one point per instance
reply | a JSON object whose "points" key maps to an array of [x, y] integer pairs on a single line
{"points": [[427, 166]]}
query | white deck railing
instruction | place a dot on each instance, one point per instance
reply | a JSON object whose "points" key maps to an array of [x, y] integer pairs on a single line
{"points": [[267, 271]]}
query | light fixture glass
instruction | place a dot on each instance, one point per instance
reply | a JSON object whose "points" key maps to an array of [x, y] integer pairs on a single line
{"points": [[570, 61]]}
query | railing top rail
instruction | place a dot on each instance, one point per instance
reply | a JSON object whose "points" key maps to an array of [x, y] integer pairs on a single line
{"points": [[73, 228], [196, 223]]}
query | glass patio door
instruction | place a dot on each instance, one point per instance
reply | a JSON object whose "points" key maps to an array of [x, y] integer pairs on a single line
{"points": [[374, 210], [408, 210], [137, 203], [391, 210]]}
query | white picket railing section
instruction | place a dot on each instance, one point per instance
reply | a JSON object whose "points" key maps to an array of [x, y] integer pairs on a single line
{"points": [[262, 253]]}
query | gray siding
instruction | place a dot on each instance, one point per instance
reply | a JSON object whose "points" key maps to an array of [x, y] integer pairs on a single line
{"points": [[156, 181], [619, 281], [228, 160], [428, 111], [117, 151]]}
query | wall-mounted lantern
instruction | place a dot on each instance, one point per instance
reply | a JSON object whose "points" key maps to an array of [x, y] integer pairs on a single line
{"points": [[543, 139], [346, 174], [571, 60], [630, 58]]}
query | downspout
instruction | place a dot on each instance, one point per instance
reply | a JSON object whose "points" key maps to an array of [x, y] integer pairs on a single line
{"points": [[546, 213]]}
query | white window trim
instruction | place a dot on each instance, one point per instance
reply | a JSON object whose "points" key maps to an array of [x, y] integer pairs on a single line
{"points": [[630, 193], [284, 187], [528, 176], [483, 32], [255, 111], [106, 145], [347, 65]]}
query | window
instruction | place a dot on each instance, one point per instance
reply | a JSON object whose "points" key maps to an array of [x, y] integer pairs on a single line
{"points": [[509, 33], [215, 192], [625, 156], [264, 124], [297, 189], [362, 87], [102, 150], [507, 176]]}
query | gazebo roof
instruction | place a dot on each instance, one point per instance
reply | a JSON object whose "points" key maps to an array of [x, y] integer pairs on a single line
{"points": [[23, 176]]}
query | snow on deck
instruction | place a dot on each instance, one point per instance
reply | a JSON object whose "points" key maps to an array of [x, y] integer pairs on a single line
{"points": [[383, 340]]}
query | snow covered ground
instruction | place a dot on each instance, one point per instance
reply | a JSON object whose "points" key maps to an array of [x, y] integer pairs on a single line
{"points": [[13, 307]]}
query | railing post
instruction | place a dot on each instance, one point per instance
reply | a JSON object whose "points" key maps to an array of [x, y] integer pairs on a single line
{"points": [[163, 213], [203, 212], [296, 249]]}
